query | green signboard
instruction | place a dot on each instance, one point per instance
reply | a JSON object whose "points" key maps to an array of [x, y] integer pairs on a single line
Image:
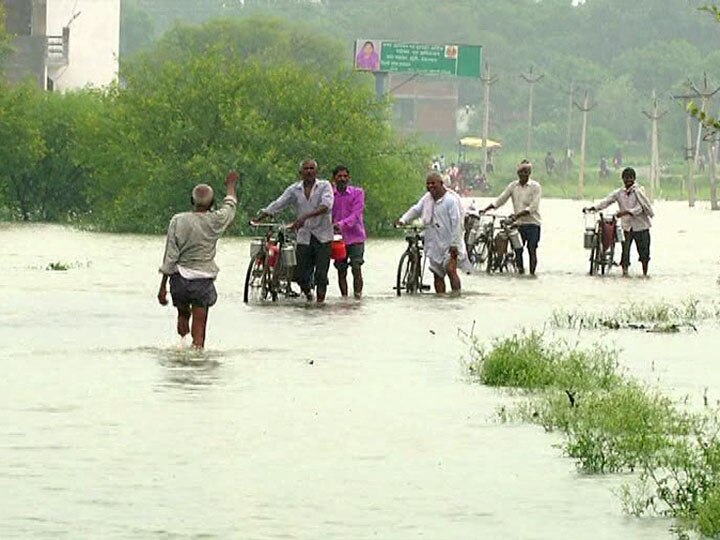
{"points": [[392, 56]]}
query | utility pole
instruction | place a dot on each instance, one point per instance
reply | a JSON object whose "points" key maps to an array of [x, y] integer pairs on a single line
{"points": [[654, 116], [705, 95], [713, 172], [487, 83], [568, 151], [690, 152], [585, 108], [688, 180], [531, 81]]}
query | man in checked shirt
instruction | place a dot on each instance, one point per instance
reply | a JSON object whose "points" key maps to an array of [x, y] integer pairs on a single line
{"points": [[312, 200]]}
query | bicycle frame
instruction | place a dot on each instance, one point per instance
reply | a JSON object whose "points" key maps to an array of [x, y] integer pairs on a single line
{"points": [[500, 255], [411, 267], [268, 274], [602, 253]]}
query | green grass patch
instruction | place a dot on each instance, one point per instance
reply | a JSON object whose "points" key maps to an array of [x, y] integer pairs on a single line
{"points": [[530, 362], [612, 423], [658, 316]]}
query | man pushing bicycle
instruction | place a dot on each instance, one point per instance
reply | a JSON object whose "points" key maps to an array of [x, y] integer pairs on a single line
{"points": [[442, 216], [525, 193]]}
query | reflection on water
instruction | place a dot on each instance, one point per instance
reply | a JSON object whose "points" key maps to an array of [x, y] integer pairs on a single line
{"points": [[349, 420]]}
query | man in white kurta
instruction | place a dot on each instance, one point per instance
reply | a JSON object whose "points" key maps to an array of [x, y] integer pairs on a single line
{"points": [[442, 215]]}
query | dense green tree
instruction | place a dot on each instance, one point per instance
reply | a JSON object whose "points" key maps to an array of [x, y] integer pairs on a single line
{"points": [[254, 95], [595, 43]]}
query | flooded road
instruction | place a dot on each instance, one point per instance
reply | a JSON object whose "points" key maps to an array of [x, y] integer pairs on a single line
{"points": [[352, 420]]}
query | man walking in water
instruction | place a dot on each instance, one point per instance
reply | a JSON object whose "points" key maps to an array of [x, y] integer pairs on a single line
{"points": [[347, 217], [635, 213], [312, 200], [525, 193], [442, 215], [189, 260]]}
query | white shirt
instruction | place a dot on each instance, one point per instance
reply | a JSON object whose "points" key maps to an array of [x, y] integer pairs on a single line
{"points": [[321, 195], [525, 197], [443, 220], [634, 201]]}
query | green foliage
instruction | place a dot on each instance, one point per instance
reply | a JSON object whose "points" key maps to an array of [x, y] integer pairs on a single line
{"points": [[709, 514], [618, 50], [620, 429], [528, 361], [42, 177], [257, 95], [641, 315], [612, 423]]}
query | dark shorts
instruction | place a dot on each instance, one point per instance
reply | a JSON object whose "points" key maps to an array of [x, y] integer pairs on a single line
{"points": [[530, 235], [642, 244], [192, 292], [354, 257], [313, 262]]}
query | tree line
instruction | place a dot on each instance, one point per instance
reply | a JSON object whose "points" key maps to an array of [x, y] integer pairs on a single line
{"points": [[257, 95], [618, 50]]}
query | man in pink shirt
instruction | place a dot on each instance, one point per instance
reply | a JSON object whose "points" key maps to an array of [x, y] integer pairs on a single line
{"points": [[347, 217]]}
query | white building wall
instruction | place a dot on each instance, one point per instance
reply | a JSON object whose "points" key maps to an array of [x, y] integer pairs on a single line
{"points": [[94, 42]]}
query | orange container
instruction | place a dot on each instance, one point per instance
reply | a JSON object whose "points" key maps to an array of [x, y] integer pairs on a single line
{"points": [[338, 251]]}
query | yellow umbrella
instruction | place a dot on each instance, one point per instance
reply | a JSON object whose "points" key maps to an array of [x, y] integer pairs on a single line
{"points": [[477, 142]]}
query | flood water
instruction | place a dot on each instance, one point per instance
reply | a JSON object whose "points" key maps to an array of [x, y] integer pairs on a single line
{"points": [[350, 421]]}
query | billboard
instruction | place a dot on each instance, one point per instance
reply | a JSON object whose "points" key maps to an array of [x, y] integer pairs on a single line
{"points": [[397, 57]]}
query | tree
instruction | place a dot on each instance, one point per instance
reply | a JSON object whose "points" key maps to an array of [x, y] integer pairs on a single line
{"points": [[250, 99]]}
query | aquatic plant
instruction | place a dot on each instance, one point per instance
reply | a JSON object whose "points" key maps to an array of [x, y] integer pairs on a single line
{"points": [[64, 266], [60, 266], [652, 317], [612, 423], [528, 361]]}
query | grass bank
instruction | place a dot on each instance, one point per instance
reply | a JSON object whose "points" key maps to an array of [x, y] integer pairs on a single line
{"points": [[611, 423]]}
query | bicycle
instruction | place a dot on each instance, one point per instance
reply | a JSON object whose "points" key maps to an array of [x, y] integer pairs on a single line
{"points": [[412, 265], [600, 237], [495, 244], [477, 232], [272, 264]]}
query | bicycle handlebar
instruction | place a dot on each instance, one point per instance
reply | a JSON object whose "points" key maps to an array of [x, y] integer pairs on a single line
{"points": [[259, 224]]}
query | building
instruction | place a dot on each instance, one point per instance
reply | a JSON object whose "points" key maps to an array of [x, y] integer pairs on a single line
{"points": [[424, 104], [64, 44]]}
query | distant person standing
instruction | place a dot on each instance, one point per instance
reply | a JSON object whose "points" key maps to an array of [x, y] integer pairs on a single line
{"points": [[635, 214], [189, 260], [604, 171], [549, 163], [442, 216], [617, 158], [347, 217], [312, 199], [525, 193]]}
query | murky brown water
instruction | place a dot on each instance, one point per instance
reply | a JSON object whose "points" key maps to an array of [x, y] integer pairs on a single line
{"points": [[350, 421]]}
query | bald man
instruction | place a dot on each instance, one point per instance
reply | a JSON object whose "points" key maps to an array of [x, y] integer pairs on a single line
{"points": [[189, 260], [442, 215]]}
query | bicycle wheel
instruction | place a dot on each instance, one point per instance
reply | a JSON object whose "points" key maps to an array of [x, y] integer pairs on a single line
{"points": [[593, 254], [256, 280], [510, 262], [491, 256], [407, 274], [479, 255], [596, 255]]}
